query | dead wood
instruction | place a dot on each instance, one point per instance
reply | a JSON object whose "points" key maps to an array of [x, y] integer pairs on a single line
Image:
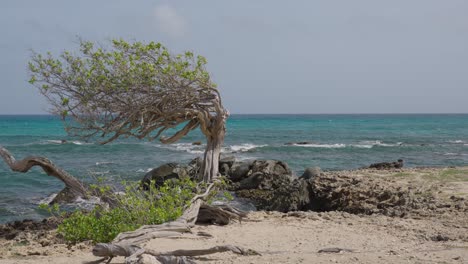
{"points": [[74, 186], [126, 244], [220, 215], [135, 254]]}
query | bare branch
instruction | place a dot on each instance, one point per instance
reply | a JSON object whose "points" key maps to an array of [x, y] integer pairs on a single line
{"points": [[24, 165]]}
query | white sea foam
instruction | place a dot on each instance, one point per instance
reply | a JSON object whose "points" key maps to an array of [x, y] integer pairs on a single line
{"points": [[79, 143], [244, 147], [458, 141], [455, 154], [186, 147], [189, 147], [362, 144], [59, 142], [104, 163], [200, 149], [321, 145], [52, 141], [48, 199], [143, 170], [374, 143]]}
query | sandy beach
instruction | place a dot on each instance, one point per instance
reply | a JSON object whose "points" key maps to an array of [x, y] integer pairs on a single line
{"points": [[425, 236]]}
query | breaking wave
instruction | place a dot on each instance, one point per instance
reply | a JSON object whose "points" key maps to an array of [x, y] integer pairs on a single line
{"points": [[247, 147], [458, 141], [363, 144], [59, 142], [200, 149]]}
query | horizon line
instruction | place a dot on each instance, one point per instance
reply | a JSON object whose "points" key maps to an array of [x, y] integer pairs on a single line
{"points": [[357, 113]]}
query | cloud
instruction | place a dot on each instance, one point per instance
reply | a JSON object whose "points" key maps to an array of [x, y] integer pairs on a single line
{"points": [[169, 21]]}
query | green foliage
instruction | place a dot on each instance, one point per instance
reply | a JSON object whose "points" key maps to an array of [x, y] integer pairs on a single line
{"points": [[136, 208], [121, 67], [126, 89], [51, 209]]}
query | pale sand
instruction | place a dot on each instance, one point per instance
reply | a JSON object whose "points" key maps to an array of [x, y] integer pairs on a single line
{"points": [[280, 238]]}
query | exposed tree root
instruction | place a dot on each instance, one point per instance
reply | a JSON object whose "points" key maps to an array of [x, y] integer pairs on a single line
{"points": [[135, 254], [126, 244]]}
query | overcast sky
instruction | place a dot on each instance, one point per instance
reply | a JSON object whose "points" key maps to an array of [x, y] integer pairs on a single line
{"points": [[360, 56]]}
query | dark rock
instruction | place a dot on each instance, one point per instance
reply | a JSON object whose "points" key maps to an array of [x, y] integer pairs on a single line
{"points": [[387, 165], [163, 173], [270, 186], [335, 250], [285, 194], [196, 143], [64, 196], [194, 167], [311, 173], [257, 180], [13, 229], [239, 171], [440, 238], [225, 164], [274, 167], [298, 143], [227, 160]]}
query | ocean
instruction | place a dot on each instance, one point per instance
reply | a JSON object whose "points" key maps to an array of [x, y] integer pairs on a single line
{"points": [[332, 142]]}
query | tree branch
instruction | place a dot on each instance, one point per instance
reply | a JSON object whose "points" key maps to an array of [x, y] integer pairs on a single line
{"points": [[75, 186]]}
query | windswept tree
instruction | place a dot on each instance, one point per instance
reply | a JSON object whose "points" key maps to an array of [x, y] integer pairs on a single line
{"points": [[133, 90]]}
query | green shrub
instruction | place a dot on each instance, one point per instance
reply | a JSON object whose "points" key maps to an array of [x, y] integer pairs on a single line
{"points": [[135, 208]]}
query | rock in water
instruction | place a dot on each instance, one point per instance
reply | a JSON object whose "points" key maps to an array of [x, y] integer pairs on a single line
{"points": [[387, 165], [163, 173]]}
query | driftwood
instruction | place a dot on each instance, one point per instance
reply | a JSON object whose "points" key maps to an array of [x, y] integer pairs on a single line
{"points": [[135, 254], [74, 187], [126, 244]]}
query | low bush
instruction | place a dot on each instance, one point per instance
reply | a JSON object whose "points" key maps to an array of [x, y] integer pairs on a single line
{"points": [[135, 208]]}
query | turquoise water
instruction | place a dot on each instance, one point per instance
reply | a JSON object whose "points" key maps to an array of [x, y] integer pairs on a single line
{"points": [[335, 142]]}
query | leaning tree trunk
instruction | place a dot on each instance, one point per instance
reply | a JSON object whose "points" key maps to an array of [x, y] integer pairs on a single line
{"points": [[213, 150], [211, 158]]}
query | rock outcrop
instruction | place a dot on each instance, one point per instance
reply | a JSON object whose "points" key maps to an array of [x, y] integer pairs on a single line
{"points": [[270, 185], [387, 165], [163, 173], [311, 173]]}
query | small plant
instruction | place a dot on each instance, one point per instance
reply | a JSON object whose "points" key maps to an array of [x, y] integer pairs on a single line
{"points": [[135, 208], [51, 209]]}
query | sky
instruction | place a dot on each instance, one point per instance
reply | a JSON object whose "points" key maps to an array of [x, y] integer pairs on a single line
{"points": [[327, 56]]}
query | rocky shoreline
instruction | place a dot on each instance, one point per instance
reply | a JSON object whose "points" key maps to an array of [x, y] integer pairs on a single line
{"points": [[420, 211]]}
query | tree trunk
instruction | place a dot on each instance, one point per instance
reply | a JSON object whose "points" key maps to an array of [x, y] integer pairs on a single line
{"points": [[75, 187], [211, 159]]}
